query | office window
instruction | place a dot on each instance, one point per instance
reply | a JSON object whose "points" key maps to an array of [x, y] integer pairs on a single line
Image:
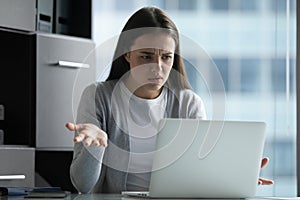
{"points": [[278, 80], [124, 5], [161, 3], [285, 158], [246, 5], [193, 74], [278, 5], [187, 4], [250, 75], [222, 65], [219, 5]]}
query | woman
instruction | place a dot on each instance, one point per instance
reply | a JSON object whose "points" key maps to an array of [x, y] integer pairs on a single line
{"points": [[147, 82]]}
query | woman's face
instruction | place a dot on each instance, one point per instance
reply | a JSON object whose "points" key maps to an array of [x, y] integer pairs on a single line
{"points": [[151, 59]]}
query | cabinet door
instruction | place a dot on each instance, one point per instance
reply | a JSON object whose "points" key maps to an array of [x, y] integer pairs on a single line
{"points": [[18, 14], [65, 66], [17, 166]]}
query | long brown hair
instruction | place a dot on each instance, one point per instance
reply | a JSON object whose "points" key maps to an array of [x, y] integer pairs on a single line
{"points": [[144, 21]]}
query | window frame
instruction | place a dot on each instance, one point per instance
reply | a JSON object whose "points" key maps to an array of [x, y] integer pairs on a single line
{"points": [[298, 95]]}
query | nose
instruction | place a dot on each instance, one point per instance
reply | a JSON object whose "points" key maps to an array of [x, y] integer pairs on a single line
{"points": [[156, 65]]}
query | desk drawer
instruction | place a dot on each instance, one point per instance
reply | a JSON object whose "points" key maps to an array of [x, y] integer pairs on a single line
{"points": [[16, 166]]}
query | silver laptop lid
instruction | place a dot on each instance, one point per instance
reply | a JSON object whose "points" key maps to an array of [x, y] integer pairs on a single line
{"points": [[209, 159]]}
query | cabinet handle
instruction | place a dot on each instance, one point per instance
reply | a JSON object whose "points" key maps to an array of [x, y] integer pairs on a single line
{"points": [[12, 177], [63, 63]]}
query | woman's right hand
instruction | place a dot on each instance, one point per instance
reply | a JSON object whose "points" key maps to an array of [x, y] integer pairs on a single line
{"points": [[88, 134]]}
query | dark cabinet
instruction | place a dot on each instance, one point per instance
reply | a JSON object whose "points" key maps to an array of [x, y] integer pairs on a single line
{"points": [[17, 86], [66, 17], [13, 171], [47, 59], [73, 17], [42, 78]]}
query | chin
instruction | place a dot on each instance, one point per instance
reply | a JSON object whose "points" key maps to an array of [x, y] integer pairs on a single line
{"points": [[153, 86]]}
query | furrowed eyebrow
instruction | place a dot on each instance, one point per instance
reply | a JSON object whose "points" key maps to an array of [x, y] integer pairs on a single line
{"points": [[146, 52], [151, 53]]}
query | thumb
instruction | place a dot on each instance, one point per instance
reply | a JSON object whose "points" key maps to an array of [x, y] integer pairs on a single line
{"points": [[264, 162], [71, 126]]}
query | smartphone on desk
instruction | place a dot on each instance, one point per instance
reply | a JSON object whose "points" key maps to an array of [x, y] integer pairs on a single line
{"points": [[47, 194]]}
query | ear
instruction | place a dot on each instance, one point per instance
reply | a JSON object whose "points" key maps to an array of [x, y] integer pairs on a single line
{"points": [[127, 57]]}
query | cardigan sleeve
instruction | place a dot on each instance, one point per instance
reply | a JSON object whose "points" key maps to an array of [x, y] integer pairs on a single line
{"points": [[85, 168], [191, 105]]}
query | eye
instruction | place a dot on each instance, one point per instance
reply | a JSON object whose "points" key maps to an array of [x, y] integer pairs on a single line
{"points": [[167, 57], [145, 57]]}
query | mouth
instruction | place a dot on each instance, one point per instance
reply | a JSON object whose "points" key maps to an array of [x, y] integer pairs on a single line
{"points": [[155, 79]]}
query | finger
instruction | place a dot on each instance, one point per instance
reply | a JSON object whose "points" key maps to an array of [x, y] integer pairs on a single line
{"points": [[263, 181], [88, 141], [74, 127], [79, 138], [96, 143], [102, 138], [264, 162], [70, 126], [103, 142], [267, 182], [79, 127]]}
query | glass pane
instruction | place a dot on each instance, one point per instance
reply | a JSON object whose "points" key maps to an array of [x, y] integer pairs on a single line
{"points": [[219, 4], [187, 4], [278, 5], [250, 75], [222, 65], [246, 5], [192, 73], [161, 3], [124, 5], [278, 80]]}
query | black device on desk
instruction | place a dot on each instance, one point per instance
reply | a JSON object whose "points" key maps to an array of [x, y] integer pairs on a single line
{"points": [[40, 192]]}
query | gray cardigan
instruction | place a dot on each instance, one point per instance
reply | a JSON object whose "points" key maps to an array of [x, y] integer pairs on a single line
{"points": [[95, 169]]}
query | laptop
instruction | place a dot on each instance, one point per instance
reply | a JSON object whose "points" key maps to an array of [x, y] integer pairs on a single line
{"points": [[205, 159]]}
